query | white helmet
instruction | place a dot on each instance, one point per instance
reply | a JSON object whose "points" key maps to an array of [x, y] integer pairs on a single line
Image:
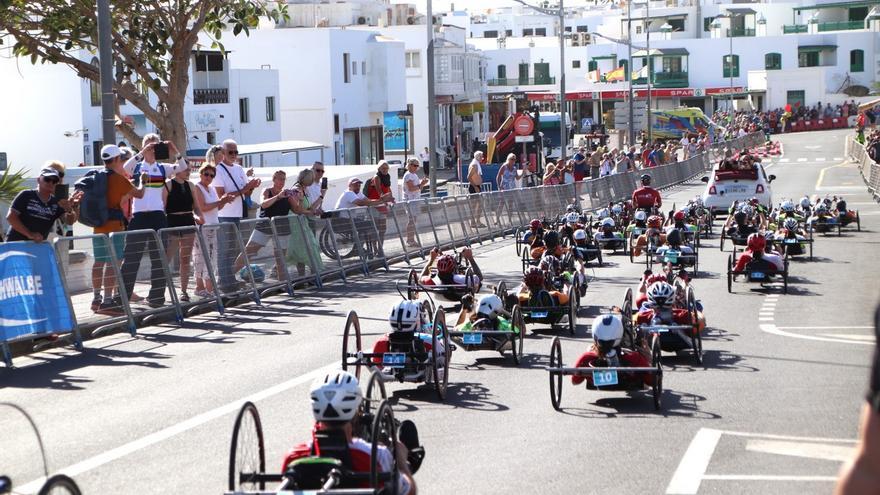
{"points": [[336, 397], [580, 235], [660, 293], [698, 200], [790, 224], [748, 210], [787, 206], [641, 216], [607, 328], [617, 209], [604, 213], [608, 222], [805, 202], [406, 316], [491, 306], [572, 217]]}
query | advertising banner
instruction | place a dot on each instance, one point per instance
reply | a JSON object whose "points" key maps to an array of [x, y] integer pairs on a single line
{"points": [[395, 132]]}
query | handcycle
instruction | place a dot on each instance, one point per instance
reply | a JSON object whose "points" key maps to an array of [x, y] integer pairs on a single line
{"points": [[547, 312], [681, 337], [483, 337], [343, 237], [757, 271]]}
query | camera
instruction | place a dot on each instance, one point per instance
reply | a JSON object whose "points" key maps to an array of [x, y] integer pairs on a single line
{"points": [[161, 150]]}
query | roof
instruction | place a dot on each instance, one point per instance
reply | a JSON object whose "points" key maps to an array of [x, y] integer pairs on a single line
{"points": [[602, 57], [276, 146], [816, 48], [655, 17], [662, 51], [741, 11], [839, 5]]}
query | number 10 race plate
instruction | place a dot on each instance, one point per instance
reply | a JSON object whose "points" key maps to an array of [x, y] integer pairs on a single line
{"points": [[604, 378]]}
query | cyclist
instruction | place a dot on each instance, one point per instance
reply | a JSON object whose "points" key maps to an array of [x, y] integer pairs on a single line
{"points": [[536, 290], [678, 220], [489, 315], [646, 197], [639, 223], [653, 235], [649, 278], [674, 239], [446, 270], [550, 245], [607, 236], [607, 331], [582, 249], [659, 308], [410, 319], [755, 252], [536, 229], [336, 406]]}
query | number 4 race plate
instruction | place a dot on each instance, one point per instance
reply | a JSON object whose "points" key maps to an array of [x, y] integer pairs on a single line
{"points": [[472, 338], [604, 378]]}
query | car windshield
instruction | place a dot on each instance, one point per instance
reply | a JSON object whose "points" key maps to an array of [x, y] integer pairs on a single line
{"points": [[750, 173]]}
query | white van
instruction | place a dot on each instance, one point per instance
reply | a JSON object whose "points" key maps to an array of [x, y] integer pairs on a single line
{"points": [[726, 185]]}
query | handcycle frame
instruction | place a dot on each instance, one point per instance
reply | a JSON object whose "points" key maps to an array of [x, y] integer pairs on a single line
{"points": [[451, 292], [669, 344], [552, 315], [783, 244], [511, 336], [764, 279]]}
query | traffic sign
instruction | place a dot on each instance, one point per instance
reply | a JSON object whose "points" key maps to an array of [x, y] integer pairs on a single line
{"points": [[524, 139], [523, 125]]}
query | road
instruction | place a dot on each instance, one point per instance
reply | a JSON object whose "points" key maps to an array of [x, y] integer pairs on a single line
{"points": [[774, 408]]}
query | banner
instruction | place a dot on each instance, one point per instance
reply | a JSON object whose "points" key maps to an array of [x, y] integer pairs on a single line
{"points": [[32, 298], [395, 132], [617, 74]]}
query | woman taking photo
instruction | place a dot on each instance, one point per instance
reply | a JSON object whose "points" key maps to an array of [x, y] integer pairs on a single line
{"points": [[275, 202]]}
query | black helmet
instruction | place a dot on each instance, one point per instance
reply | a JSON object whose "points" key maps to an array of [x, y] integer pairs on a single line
{"points": [[646, 178], [674, 237], [740, 217], [551, 239]]}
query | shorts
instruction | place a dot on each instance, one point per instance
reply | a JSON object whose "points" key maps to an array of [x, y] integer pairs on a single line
{"points": [[579, 176], [261, 237], [181, 220], [473, 189], [100, 248]]}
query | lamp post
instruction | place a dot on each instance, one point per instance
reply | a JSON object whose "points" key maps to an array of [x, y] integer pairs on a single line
{"points": [[730, 16], [105, 55], [405, 114], [432, 105]]}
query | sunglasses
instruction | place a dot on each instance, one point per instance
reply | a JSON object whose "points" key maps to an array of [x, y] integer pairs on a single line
{"points": [[232, 152], [319, 170], [206, 174], [51, 180]]}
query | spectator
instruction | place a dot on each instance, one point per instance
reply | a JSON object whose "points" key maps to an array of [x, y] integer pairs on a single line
{"points": [[119, 190], [379, 187], [275, 202], [148, 213], [551, 177], [208, 203], [181, 209], [692, 149], [475, 182], [302, 245], [606, 167], [580, 164], [412, 191], [34, 211], [506, 179], [231, 179], [425, 158], [595, 161], [315, 191], [624, 163], [568, 172]]}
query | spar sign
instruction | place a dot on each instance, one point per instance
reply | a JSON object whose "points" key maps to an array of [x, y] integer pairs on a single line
{"points": [[32, 297]]}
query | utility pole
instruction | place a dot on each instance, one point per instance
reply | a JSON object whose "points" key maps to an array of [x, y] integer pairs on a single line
{"points": [[432, 105], [563, 130], [650, 75], [105, 54], [628, 74]]}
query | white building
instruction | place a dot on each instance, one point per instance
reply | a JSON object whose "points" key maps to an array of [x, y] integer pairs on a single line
{"points": [[336, 85], [223, 103]]}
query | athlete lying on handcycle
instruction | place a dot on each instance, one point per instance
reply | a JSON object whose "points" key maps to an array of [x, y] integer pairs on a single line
{"points": [[652, 238], [411, 324], [756, 255], [449, 273]]}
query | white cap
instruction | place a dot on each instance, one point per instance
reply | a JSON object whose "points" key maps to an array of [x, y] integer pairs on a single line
{"points": [[110, 151]]}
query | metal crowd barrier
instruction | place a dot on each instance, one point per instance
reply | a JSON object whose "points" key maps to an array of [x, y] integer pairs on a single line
{"points": [[146, 276], [869, 169]]}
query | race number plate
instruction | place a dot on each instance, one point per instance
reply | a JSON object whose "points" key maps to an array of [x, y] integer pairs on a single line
{"points": [[791, 241], [604, 378], [472, 338], [671, 256], [539, 314], [757, 275], [394, 359]]}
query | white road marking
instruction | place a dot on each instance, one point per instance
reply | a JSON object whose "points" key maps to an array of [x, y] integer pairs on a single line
{"points": [[765, 319], [837, 158], [765, 477], [692, 468], [773, 329], [809, 450], [825, 328], [814, 147], [820, 159], [801, 160], [839, 188], [176, 429], [850, 336], [783, 160]]}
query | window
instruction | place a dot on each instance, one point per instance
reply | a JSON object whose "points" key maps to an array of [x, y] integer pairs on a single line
{"points": [[639, 29], [211, 137], [707, 23], [502, 72], [364, 67], [270, 109], [523, 73], [625, 64], [542, 73], [773, 61], [583, 29], [95, 89], [354, 68], [244, 110], [490, 34], [672, 64], [335, 123], [413, 59], [567, 29], [575, 64], [857, 61], [346, 76], [795, 98], [508, 32], [96, 156], [731, 65], [808, 59], [592, 65], [677, 24], [528, 32], [541, 32], [209, 62]]}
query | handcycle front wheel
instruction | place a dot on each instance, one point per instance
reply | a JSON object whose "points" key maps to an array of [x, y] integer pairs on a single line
{"points": [[247, 453], [384, 432], [351, 345], [59, 484], [518, 325], [556, 376], [697, 335], [657, 383], [440, 362]]}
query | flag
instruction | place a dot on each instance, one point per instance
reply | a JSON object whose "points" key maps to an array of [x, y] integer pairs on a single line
{"points": [[617, 74], [594, 76]]}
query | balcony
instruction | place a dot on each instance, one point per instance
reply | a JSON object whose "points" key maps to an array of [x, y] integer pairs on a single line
{"points": [[210, 96], [666, 80], [515, 81], [794, 29], [841, 25], [741, 32]]}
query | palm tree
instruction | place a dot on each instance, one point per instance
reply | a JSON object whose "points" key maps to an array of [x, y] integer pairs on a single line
{"points": [[11, 183]]}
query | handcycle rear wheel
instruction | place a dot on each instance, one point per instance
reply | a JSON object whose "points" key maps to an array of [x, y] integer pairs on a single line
{"points": [[518, 320], [247, 453], [572, 310], [730, 274], [384, 431], [696, 334], [626, 316], [59, 484], [556, 376], [440, 335], [351, 344], [657, 384]]}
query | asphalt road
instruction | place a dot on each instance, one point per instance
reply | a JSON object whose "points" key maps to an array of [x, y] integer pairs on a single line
{"points": [[774, 408]]}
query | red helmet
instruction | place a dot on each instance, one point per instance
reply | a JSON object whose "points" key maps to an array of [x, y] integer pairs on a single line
{"points": [[446, 264], [534, 277], [656, 277], [535, 224], [754, 201], [757, 242], [655, 222], [679, 215]]}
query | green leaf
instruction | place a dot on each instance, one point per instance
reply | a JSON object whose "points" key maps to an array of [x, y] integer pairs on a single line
{"points": [[236, 30], [11, 183]]}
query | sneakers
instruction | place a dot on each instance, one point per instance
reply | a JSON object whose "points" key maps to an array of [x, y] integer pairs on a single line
{"points": [[184, 297], [96, 302], [111, 307]]}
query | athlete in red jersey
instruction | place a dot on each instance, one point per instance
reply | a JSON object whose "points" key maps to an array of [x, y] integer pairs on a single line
{"points": [[646, 196]]}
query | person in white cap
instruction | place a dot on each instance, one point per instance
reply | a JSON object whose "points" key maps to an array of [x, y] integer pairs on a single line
{"points": [[354, 197]]}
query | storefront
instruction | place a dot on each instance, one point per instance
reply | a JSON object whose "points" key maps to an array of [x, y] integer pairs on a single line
{"points": [[499, 107]]}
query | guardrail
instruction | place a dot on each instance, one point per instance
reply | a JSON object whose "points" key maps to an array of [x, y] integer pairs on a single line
{"points": [[163, 270], [869, 169]]}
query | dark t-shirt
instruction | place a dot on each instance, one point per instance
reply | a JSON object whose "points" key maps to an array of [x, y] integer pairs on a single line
{"points": [[36, 215], [582, 166]]}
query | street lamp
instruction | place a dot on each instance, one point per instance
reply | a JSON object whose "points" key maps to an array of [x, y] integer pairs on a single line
{"points": [[730, 16], [563, 135], [628, 75]]}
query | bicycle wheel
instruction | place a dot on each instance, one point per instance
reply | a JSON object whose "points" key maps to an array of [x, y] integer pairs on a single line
{"points": [[247, 454], [326, 243], [556, 376], [351, 345], [59, 484], [384, 433], [440, 360]]}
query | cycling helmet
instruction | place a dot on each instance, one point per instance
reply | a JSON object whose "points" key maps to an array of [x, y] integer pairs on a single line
{"points": [[787, 206], [405, 316], [580, 235], [748, 210], [490, 306], [551, 239], [534, 277], [571, 208], [535, 224], [641, 216], [660, 293], [446, 264], [821, 208], [673, 237], [604, 213], [336, 397], [656, 277], [655, 221], [550, 263], [754, 201], [790, 224], [608, 222], [607, 331], [645, 178], [756, 242], [572, 217], [805, 202], [616, 209], [826, 201], [740, 217], [678, 216], [841, 205]]}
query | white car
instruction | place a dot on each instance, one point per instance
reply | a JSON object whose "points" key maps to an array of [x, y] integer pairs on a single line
{"points": [[724, 186]]}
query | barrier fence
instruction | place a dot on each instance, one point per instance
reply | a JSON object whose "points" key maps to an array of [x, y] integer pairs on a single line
{"points": [[176, 272], [870, 170]]}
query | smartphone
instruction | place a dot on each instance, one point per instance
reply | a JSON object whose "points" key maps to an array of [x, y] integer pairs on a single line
{"points": [[62, 191], [161, 151], [323, 183]]}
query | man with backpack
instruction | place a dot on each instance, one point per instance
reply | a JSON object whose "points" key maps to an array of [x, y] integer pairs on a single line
{"points": [[105, 191]]}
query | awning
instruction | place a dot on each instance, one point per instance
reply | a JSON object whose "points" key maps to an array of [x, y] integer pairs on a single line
{"points": [[741, 11], [661, 52], [870, 104], [839, 5], [816, 48], [655, 17], [604, 57], [279, 146]]}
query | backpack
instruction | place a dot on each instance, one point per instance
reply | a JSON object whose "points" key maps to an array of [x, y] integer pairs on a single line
{"points": [[93, 210]]}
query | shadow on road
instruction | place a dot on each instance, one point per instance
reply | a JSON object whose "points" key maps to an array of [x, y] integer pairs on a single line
{"points": [[464, 395], [638, 404]]}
